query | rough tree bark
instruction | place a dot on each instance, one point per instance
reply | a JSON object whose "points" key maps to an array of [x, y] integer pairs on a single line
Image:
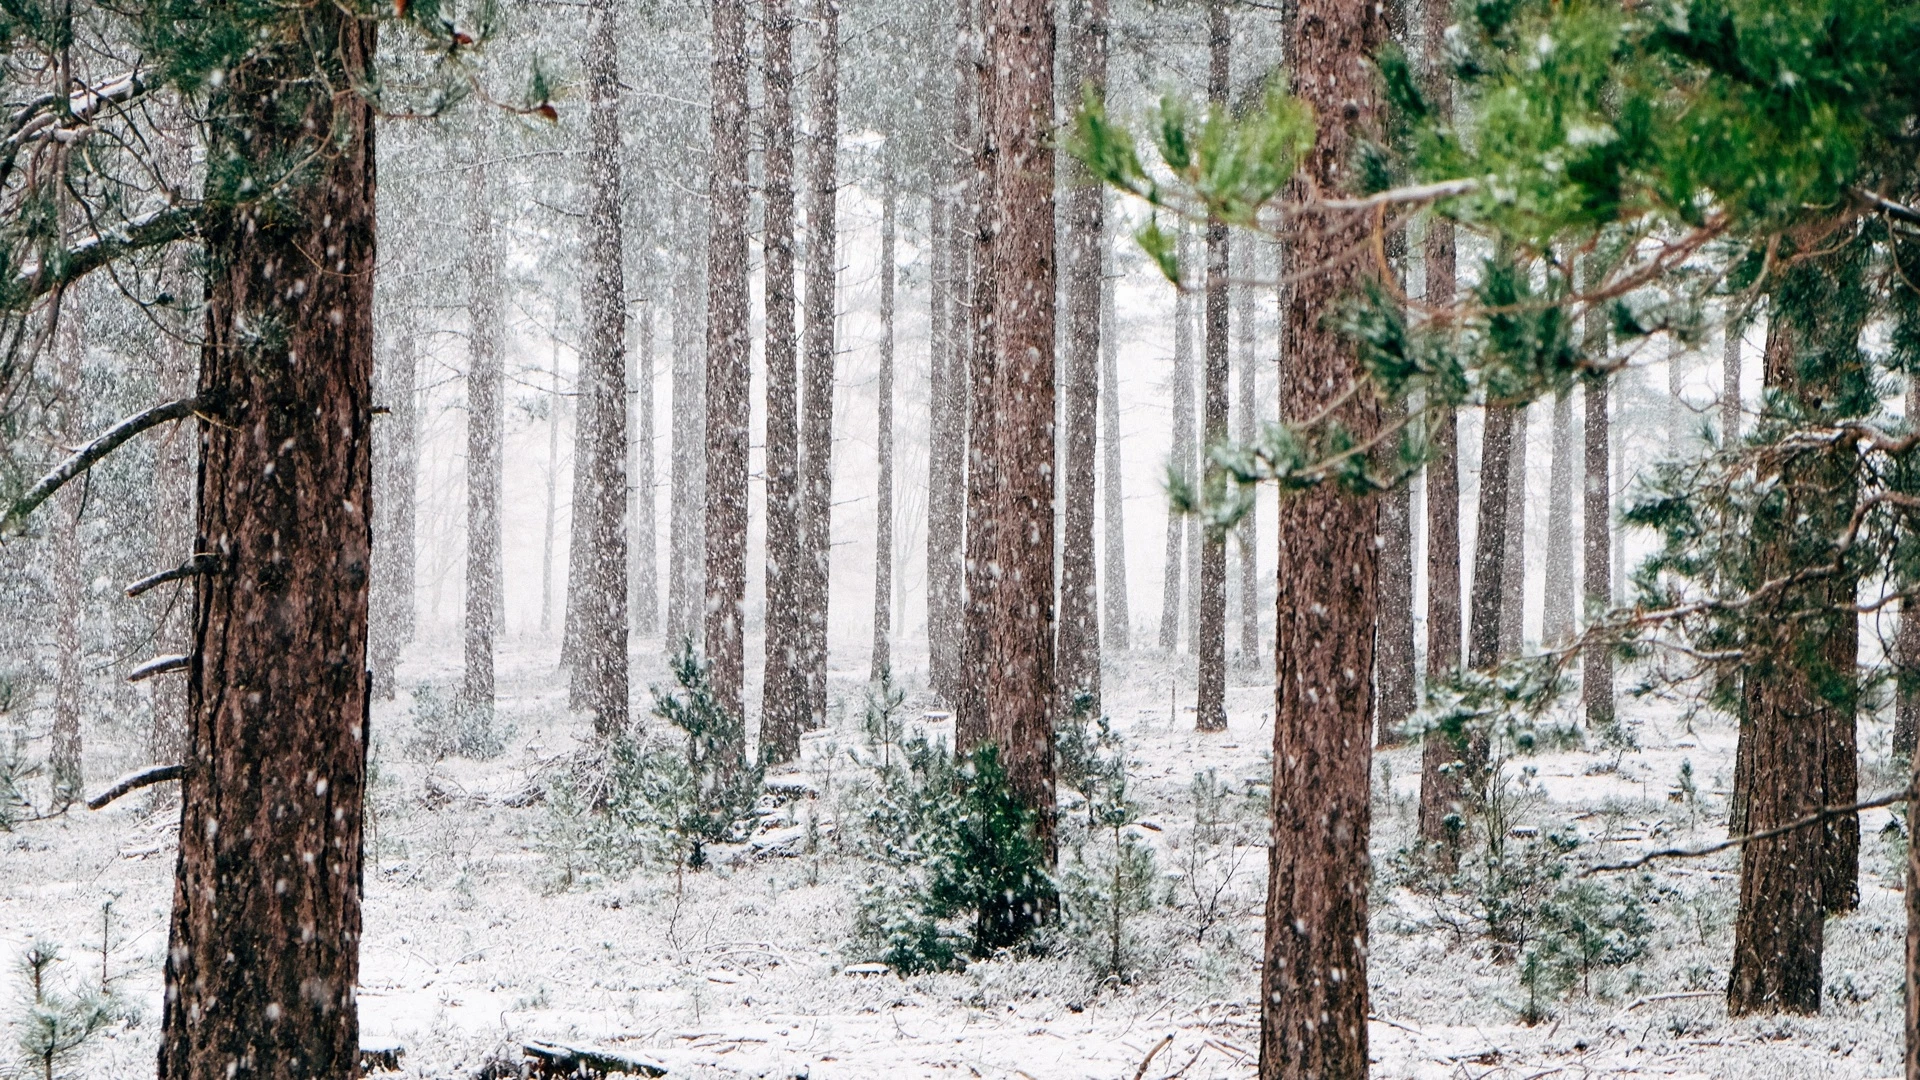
{"points": [[970, 711], [1017, 108], [484, 428], [1906, 722], [782, 701], [882, 661], [728, 361], [1171, 593], [1513, 542], [1314, 977], [1084, 230], [816, 411], [397, 461], [1556, 625], [1441, 790], [263, 949], [597, 586], [1210, 644], [1596, 526], [1730, 381], [1118, 628]]}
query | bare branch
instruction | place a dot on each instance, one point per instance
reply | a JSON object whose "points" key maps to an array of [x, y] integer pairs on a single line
{"points": [[159, 665], [162, 226], [84, 458], [133, 781], [1825, 813], [205, 562]]}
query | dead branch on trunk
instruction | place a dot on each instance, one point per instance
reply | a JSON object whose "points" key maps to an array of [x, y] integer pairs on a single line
{"points": [[1825, 813], [139, 778], [205, 562], [159, 665], [84, 458]]}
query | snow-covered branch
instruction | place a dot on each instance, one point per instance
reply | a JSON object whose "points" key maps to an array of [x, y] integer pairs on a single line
{"points": [[84, 458]]}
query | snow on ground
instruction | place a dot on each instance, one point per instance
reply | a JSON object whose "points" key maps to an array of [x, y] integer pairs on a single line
{"points": [[740, 970]]}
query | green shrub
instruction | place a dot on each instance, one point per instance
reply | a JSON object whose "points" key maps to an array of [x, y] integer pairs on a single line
{"points": [[445, 727], [960, 871]]}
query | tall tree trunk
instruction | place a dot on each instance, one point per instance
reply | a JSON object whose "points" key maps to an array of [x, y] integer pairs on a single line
{"points": [[69, 582], [484, 429], [1442, 791], [882, 661], [1314, 978], [263, 948], [1730, 381], [1596, 526], [686, 515], [1513, 537], [397, 463], [1799, 671], [642, 555], [1557, 610], [783, 713], [947, 455], [1183, 454], [1085, 234], [1118, 628], [1246, 413], [816, 417], [598, 582], [1488, 601], [556, 406], [1906, 648], [970, 712], [1017, 107], [728, 361], [1210, 639], [174, 463]]}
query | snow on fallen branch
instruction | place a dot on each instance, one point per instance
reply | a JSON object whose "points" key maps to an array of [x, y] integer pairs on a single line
{"points": [[133, 781], [84, 458], [557, 1059], [1825, 813], [159, 665]]}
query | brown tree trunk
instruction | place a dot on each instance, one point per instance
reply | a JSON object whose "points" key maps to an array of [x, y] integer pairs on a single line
{"points": [[484, 429], [816, 419], [1596, 527], [1488, 602], [1393, 632], [1183, 454], [1730, 382], [396, 461], [970, 712], [728, 370], [1085, 235], [1314, 979], [1912, 957], [1513, 543], [263, 949], [882, 662], [1210, 644], [1557, 611], [1441, 791], [1017, 108], [783, 713], [1118, 628], [598, 583], [1906, 649]]}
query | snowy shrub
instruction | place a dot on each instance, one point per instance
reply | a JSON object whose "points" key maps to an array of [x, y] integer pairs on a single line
{"points": [[959, 870], [15, 771], [1103, 889], [444, 727], [1087, 754], [54, 1025], [882, 721], [1585, 925], [657, 801]]}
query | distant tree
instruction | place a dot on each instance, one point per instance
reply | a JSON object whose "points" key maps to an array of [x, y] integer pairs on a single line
{"points": [[1210, 625], [783, 703], [485, 429], [817, 344], [881, 660]]}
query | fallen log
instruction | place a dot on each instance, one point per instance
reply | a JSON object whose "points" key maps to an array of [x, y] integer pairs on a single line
{"points": [[546, 1059]]}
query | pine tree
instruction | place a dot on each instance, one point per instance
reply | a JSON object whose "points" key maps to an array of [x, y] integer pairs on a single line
{"points": [[1118, 623], [1314, 978], [881, 662], [783, 704], [947, 431], [396, 466], [816, 405], [1210, 637], [1596, 529], [485, 385], [1246, 410], [1557, 610], [727, 367], [1172, 595], [1513, 542], [64, 765], [686, 518], [643, 602], [976, 664]]}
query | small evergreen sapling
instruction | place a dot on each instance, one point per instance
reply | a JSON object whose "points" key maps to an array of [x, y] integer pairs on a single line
{"points": [[54, 1025], [1108, 884]]}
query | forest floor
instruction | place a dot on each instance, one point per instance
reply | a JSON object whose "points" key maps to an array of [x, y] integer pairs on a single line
{"points": [[482, 932]]}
